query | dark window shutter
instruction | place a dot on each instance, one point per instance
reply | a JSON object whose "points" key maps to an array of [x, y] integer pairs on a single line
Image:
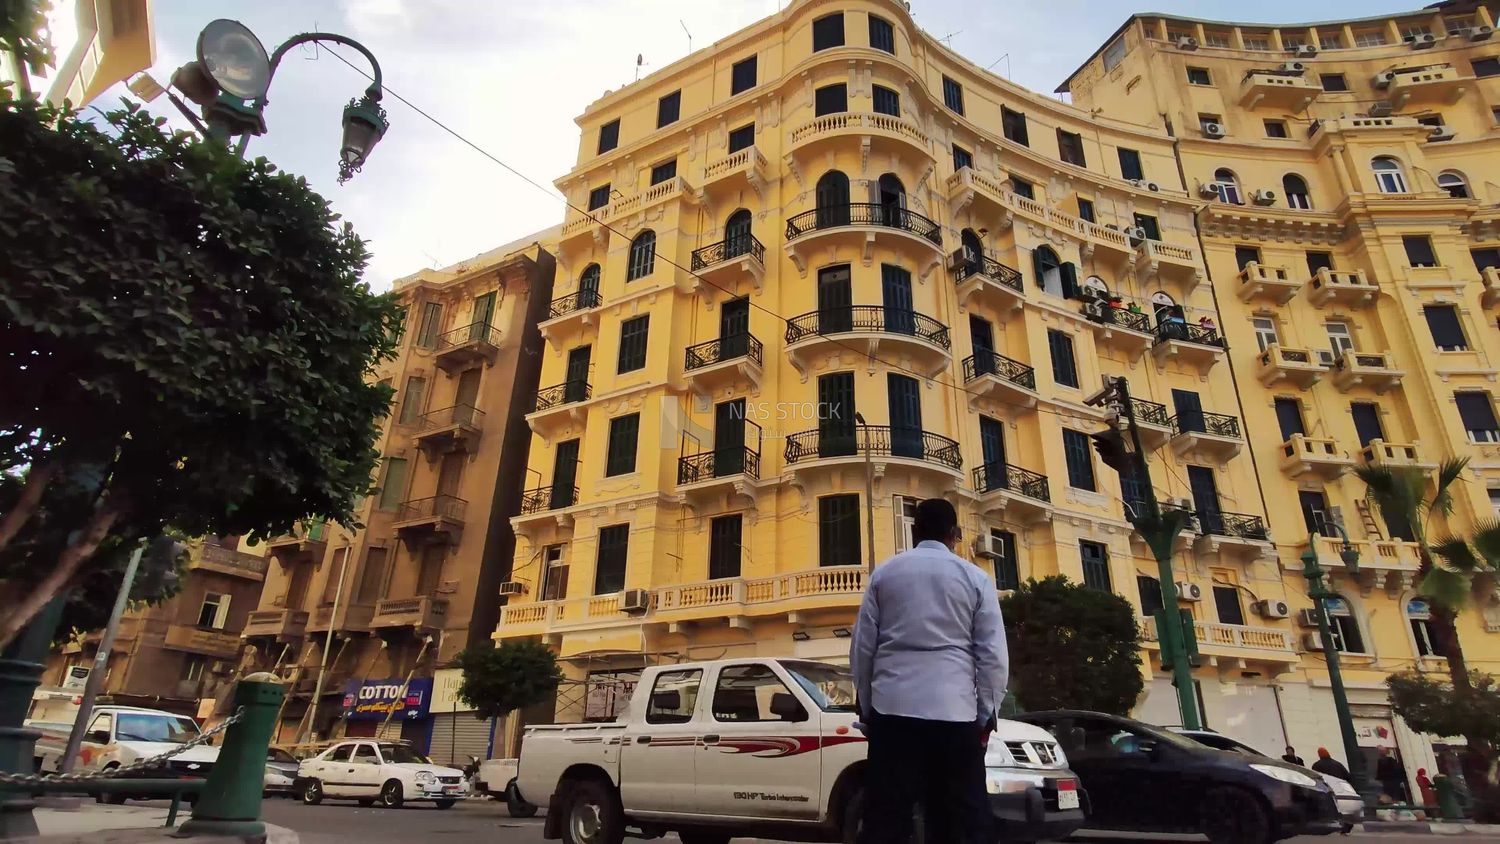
{"points": [[742, 76], [609, 562], [1447, 333], [828, 31], [1478, 415], [624, 433], [1007, 566], [1069, 272]]}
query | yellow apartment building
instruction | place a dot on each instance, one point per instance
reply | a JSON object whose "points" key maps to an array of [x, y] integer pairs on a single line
{"points": [[825, 255], [1342, 180], [421, 580]]}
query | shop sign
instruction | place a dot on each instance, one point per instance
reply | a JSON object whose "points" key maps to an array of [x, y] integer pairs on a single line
{"points": [[374, 700]]}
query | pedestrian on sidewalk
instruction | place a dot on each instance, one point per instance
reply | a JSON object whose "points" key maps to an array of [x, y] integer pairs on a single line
{"points": [[1424, 785], [1291, 756], [930, 668], [1326, 764], [1391, 775]]}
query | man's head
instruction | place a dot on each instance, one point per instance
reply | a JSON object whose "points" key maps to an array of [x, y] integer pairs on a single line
{"points": [[936, 520], [1291, 751], [1322, 753]]}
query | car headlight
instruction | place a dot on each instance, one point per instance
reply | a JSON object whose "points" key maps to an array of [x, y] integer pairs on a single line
{"points": [[1287, 775], [1341, 787], [425, 776]]}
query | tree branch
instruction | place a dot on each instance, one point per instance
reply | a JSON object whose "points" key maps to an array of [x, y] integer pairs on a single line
{"points": [[68, 564], [36, 482]]}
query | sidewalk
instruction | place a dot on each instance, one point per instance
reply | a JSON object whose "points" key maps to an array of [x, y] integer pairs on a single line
{"points": [[97, 823], [1429, 828]]}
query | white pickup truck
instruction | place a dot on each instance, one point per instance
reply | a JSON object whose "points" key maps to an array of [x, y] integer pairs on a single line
{"points": [[121, 735], [756, 747]]}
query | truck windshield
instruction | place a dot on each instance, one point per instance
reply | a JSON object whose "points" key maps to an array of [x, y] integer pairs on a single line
{"points": [[159, 728], [830, 686]]}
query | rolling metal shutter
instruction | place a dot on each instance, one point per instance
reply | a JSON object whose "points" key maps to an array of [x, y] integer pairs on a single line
{"points": [[456, 736]]}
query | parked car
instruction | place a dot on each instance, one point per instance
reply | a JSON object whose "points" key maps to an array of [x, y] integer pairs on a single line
{"points": [[497, 778], [281, 772], [1351, 806], [121, 735], [370, 771], [1143, 778], [756, 748]]}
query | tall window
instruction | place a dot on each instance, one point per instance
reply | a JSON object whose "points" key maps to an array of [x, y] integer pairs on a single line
{"points": [[1013, 124], [599, 197], [961, 158], [609, 560], [1007, 564], [742, 138], [1021, 187], [1453, 182], [1228, 187], [882, 35], [1149, 589], [554, 574], [1085, 209], [953, 95], [1389, 177], [831, 99], [1227, 602], [214, 612], [1478, 414], [1095, 565], [887, 101], [192, 668], [393, 488], [1080, 459], [742, 76], [642, 256], [1070, 148], [668, 108], [1295, 189], [1148, 224], [1130, 164], [413, 399], [1265, 331], [1485, 258], [1447, 332], [1419, 251], [838, 530], [633, 336], [1244, 256], [1064, 367], [624, 435], [724, 534], [664, 171], [372, 577], [432, 323], [1319, 260], [828, 32], [1345, 628], [1340, 338], [1419, 616], [1199, 76], [609, 136]]}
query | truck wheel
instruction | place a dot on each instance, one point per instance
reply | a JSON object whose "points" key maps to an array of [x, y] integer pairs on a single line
{"points": [[517, 807], [312, 792], [444, 804], [1234, 816], [111, 798], [854, 811], [390, 795], [593, 815]]}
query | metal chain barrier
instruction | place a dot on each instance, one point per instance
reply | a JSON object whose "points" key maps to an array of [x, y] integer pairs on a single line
{"points": [[114, 773]]}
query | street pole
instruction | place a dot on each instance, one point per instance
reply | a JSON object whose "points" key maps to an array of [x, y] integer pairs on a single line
{"points": [[101, 662], [333, 623], [1160, 532], [869, 493], [21, 667]]}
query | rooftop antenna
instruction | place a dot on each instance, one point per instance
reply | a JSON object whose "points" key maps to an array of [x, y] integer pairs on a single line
{"points": [[689, 34], [640, 59], [948, 39], [1005, 58]]}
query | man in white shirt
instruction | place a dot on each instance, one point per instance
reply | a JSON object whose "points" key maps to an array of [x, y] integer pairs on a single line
{"points": [[930, 668]]}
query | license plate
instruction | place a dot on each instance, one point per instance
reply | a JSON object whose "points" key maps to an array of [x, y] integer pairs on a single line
{"points": [[1067, 800], [454, 789]]}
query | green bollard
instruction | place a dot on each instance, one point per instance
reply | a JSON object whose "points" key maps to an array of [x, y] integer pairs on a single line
{"points": [[21, 669], [230, 802], [1447, 797]]}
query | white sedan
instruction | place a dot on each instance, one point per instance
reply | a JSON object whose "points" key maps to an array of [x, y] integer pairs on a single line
{"points": [[381, 772]]}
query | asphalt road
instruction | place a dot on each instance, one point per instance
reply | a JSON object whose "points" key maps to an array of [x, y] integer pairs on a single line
{"points": [[487, 821]]}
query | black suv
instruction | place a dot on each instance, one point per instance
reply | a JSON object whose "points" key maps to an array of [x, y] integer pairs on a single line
{"points": [[1142, 778]]}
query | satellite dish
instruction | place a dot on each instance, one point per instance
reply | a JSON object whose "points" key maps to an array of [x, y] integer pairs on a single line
{"points": [[234, 58]]}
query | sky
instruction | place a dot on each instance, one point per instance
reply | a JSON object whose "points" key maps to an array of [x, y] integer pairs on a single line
{"points": [[511, 76]]}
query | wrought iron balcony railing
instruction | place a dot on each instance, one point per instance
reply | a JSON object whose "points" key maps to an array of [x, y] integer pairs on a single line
{"points": [[985, 362], [462, 415], [1003, 476], [449, 507], [1188, 333], [864, 214], [1241, 525], [1150, 412], [723, 349], [1200, 422], [1099, 311], [989, 268], [879, 318], [583, 300], [543, 498], [557, 395], [846, 440], [718, 463], [474, 332], [728, 249]]}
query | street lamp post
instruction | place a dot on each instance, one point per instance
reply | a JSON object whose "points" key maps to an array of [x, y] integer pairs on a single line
{"points": [[859, 419], [1313, 571]]}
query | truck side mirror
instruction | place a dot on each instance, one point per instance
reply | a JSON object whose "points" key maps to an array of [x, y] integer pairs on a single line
{"points": [[786, 707]]}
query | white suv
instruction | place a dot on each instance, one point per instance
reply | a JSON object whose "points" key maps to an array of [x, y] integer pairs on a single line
{"points": [[378, 771]]}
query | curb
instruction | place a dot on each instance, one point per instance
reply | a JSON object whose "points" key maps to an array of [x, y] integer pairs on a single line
{"points": [[1427, 828]]}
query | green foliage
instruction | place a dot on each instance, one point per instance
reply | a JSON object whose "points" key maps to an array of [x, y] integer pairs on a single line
{"points": [[183, 334], [1431, 707], [23, 34], [1072, 647], [512, 676]]}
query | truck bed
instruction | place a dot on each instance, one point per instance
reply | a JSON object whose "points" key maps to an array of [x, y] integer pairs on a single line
{"points": [[551, 749]]}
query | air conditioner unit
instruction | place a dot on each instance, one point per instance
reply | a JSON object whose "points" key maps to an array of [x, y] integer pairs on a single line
{"points": [[1187, 42], [1312, 642], [1327, 358], [1423, 41], [1272, 609], [512, 587], [1442, 133], [984, 548], [1214, 130], [1135, 233], [635, 600], [1153, 187], [1480, 33], [1189, 591], [1265, 196], [1208, 190], [1293, 67], [1384, 79], [1381, 110], [1305, 51], [1308, 617], [957, 260]]}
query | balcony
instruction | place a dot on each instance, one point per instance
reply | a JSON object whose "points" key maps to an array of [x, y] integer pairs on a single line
{"points": [[1434, 85], [218, 644], [878, 134], [1221, 533], [1388, 563], [1277, 90], [1119, 327], [439, 518], [868, 331], [1229, 645], [1013, 493], [1401, 455], [1210, 435], [968, 187], [589, 223], [1490, 278], [1298, 367], [1115, 243], [724, 362], [451, 429], [719, 476], [1192, 345], [555, 407], [1364, 369], [214, 557], [993, 377], [352, 618], [987, 282], [419, 614], [719, 270], [1154, 422], [1270, 284], [282, 625], [569, 315], [1154, 258], [860, 223], [545, 507], [814, 456], [1320, 457], [744, 168], [1341, 287], [461, 348]]}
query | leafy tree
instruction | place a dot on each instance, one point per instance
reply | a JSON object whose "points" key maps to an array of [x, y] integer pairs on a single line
{"points": [[23, 35], [1432, 707], [514, 675], [1072, 647], [184, 342]]}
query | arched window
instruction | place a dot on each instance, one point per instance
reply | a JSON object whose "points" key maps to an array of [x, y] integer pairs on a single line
{"points": [[1163, 306], [642, 255], [588, 287], [973, 246], [1344, 626], [1228, 187], [1095, 286], [892, 200], [832, 197], [1453, 182], [1048, 270], [1295, 189], [737, 236], [1419, 616], [1389, 177]]}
